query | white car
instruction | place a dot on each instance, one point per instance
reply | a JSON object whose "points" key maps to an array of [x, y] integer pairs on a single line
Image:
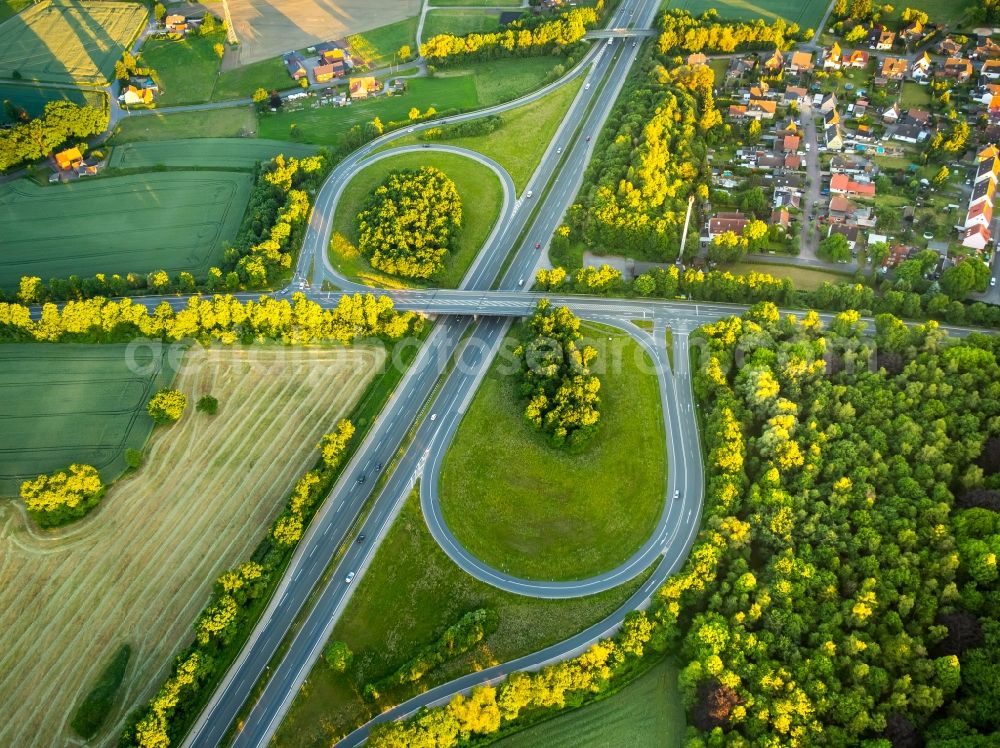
{"points": [[349, 578], [677, 494], [529, 193], [434, 416], [559, 149], [586, 87], [993, 281], [521, 282]]}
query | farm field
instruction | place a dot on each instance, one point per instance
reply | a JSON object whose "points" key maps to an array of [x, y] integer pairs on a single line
{"points": [[139, 569], [9, 8], [806, 13], [460, 22], [34, 98], [223, 153], [411, 576], [481, 195], [647, 713], [139, 223], [377, 46], [478, 3], [73, 403], [188, 68], [63, 41], [520, 142], [231, 122], [559, 515], [268, 29]]}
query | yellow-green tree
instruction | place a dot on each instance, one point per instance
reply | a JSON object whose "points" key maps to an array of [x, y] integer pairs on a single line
{"points": [[64, 496], [167, 406]]}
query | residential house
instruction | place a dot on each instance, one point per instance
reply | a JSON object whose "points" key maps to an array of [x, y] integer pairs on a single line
{"points": [[740, 66], [801, 62], [175, 24], [880, 38], [848, 232], [981, 213], [956, 68], [991, 69], [790, 144], [979, 216], [894, 68], [361, 88], [831, 118], [976, 237], [983, 190], [918, 116], [793, 161], [856, 59], [910, 133], [914, 32], [795, 94], [769, 161], [920, 69], [781, 217], [761, 91], [295, 65], [860, 107], [891, 115], [832, 58], [840, 209], [986, 49], [841, 184], [720, 223], [849, 164], [133, 96], [834, 138], [786, 198], [792, 182], [737, 111], [696, 59], [829, 103], [775, 63], [762, 109], [897, 255], [68, 159], [948, 47], [323, 73]]}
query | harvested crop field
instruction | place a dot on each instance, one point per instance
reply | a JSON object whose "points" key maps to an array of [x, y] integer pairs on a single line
{"points": [[134, 224], [73, 403], [229, 153], [266, 30], [69, 41], [141, 566], [34, 98]]}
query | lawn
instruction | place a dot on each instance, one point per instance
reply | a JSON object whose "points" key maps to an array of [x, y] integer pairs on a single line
{"points": [[425, 592], [232, 122], [139, 223], [224, 153], [949, 13], [805, 279], [806, 13], [481, 195], [241, 82], [460, 22], [34, 98], [540, 512], [526, 132], [188, 68], [10, 8], [914, 95], [647, 713], [73, 403], [139, 569], [379, 47], [498, 81], [69, 41]]}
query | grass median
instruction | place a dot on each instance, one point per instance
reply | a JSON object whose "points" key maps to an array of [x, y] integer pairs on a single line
{"points": [[541, 512]]}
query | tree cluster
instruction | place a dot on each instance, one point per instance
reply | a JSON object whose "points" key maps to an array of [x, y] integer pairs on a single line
{"points": [[556, 380], [521, 38], [37, 138], [224, 319], [456, 640], [732, 247], [166, 406], [226, 618], [682, 32], [986, 11], [467, 129], [64, 496], [410, 222]]}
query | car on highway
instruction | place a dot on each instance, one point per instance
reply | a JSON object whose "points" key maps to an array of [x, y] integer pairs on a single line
{"points": [[529, 193], [677, 494], [588, 138], [349, 578], [378, 465], [538, 245], [434, 416], [586, 87], [361, 538], [521, 282], [361, 478]]}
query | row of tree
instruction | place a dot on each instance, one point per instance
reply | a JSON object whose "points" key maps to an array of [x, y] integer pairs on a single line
{"points": [[680, 31], [555, 378], [58, 498], [469, 128], [226, 615], [218, 318], [410, 222], [36, 138], [523, 37]]}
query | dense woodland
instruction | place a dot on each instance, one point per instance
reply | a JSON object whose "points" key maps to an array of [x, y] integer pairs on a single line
{"points": [[34, 139], [410, 222], [555, 378]]}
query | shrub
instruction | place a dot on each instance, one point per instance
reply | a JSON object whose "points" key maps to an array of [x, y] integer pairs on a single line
{"points": [[338, 656], [97, 704], [133, 458], [167, 406], [207, 404], [64, 496]]}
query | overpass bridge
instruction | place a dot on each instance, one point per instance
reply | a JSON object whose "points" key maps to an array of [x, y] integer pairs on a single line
{"points": [[620, 33]]}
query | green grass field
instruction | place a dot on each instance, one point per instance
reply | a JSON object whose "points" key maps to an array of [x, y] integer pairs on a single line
{"points": [[647, 713], [478, 85], [10, 8], [139, 223], [241, 82], [914, 95], [224, 153], [479, 3], [425, 592], [806, 13], [34, 98], [69, 41], [481, 195], [460, 22], [952, 12], [188, 68], [378, 47], [232, 122], [540, 512], [73, 403], [805, 279], [519, 144]]}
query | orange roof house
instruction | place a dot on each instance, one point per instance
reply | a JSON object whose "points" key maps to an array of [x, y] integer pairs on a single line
{"points": [[360, 88], [989, 151], [697, 59], [775, 63], [133, 96], [762, 108], [802, 62], [894, 68], [69, 159]]}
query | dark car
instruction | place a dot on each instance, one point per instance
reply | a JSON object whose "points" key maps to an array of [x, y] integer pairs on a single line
{"points": [[361, 479], [361, 538]]}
